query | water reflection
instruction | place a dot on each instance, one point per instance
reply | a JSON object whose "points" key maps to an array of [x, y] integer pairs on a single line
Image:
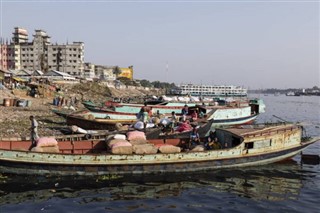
{"points": [[275, 182]]}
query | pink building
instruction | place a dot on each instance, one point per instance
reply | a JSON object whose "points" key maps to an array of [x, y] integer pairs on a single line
{"points": [[4, 56]]}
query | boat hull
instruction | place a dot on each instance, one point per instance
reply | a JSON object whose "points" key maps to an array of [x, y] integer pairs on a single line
{"points": [[242, 146], [104, 166], [96, 124]]}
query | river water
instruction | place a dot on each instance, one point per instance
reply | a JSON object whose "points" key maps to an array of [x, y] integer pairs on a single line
{"points": [[289, 186]]}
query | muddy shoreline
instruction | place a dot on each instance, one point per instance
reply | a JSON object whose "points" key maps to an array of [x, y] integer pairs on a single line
{"points": [[14, 121]]}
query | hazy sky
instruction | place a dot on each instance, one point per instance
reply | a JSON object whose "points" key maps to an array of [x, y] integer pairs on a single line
{"points": [[256, 44]]}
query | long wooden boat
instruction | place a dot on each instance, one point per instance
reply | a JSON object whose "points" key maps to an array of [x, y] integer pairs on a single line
{"points": [[236, 114], [96, 123], [246, 146]]}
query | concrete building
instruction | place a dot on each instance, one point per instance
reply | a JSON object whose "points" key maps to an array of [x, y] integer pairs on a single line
{"points": [[68, 58], [89, 71], [40, 54], [19, 39], [105, 73], [4, 57]]}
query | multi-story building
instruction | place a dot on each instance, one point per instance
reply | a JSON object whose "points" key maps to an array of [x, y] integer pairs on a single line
{"points": [[67, 58], [89, 70], [19, 39], [4, 56], [40, 54]]}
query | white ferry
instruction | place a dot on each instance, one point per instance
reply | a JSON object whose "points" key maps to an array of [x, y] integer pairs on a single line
{"points": [[212, 90]]}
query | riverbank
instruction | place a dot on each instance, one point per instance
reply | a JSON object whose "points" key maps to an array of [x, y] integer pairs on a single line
{"points": [[14, 121]]}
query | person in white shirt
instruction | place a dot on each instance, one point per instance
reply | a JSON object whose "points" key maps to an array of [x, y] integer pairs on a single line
{"points": [[34, 130]]}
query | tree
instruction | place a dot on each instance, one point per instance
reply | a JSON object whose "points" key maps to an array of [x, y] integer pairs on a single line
{"points": [[117, 71]]}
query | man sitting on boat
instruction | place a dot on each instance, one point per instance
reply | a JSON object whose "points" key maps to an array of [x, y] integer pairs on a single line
{"points": [[212, 141], [194, 138]]}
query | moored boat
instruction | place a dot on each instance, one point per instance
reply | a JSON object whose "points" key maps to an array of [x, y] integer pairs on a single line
{"points": [[234, 113], [245, 146], [93, 123]]}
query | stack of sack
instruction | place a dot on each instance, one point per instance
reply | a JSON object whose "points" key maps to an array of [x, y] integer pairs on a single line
{"points": [[46, 144], [118, 144], [140, 143], [132, 142]]}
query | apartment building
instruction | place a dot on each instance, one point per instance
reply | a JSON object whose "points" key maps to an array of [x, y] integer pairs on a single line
{"points": [[3, 56], [67, 58], [40, 54]]}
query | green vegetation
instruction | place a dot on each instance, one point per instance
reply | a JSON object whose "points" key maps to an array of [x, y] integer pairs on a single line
{"points": [[307, 91], [145, 83]]}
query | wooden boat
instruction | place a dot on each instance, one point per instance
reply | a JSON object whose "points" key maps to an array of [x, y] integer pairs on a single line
{"points": [[232, 114], [203, 127], [86, 122], [246, 146]]}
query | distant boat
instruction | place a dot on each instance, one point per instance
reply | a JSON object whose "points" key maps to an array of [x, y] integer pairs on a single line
{"points": [[290, 93]]}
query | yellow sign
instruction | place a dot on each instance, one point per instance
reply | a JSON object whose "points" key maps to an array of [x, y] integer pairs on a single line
{"points": [[126, 73]]}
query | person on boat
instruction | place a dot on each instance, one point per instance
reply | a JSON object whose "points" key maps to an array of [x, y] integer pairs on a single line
{"points": [[194, 138], [34, 130], [194, 115], [185, 111], [184, 125], [201, 114], [173, 120], [212, 141], [144, 112]]}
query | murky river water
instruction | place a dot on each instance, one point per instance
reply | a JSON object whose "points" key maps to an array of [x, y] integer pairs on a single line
{"points": [[290, 186]]}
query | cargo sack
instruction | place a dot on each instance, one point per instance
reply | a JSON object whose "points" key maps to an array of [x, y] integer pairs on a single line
{"points": [[120, 136], [168, 149], [139, 125], [49, 149], [145, 149], [198, 148], [46, 141], [138, 142], [136, 135], [112, 142], [121, 147]]}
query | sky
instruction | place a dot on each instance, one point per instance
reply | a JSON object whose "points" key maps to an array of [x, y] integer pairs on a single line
{"points": [[255, 44]]}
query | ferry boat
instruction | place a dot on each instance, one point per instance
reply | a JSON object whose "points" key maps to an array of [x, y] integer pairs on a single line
{"points": [[212, 90]]}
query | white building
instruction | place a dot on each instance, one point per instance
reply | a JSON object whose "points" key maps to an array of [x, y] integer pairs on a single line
{"points": [[105, 73]]}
